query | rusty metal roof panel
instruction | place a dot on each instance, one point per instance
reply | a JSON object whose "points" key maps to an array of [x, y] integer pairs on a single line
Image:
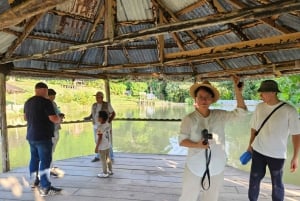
{"points": [[202, 11], [134, 28], [222, 39], [63, 27], [33, 46], [177, 5], [261, 31], [207, 67], [284, 55], [203, 32], [240, 62], [143, 56], [147, 70], [6, 40], [132, 10], [94, 56], [171, 50], [4, 5], [181, 69], [117, 57], [82, 8], [288, 20], [36, 64]]}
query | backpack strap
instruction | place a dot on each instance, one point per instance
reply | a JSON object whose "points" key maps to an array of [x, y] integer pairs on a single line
{"points": [[256, 133]]}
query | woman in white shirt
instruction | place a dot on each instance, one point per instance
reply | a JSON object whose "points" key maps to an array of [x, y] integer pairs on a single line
{"points": [[203, 174]]}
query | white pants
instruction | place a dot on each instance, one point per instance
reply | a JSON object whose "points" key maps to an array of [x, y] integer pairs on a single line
{"points": [[192, 189]]}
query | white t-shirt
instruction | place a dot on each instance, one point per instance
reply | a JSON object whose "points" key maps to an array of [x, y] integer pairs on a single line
{"points": [[273, 137], [191, 128], [105, 130]]}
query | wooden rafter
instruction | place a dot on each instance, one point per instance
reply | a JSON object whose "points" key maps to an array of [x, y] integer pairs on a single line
{"points": [[26, 10], [281, 39]]}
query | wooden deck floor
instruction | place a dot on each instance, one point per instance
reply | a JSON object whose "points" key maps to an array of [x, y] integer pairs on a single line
{"points": [[137, 177]]}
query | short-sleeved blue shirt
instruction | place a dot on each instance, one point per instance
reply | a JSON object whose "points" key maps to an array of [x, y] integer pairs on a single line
{"points": [[37, 110]]}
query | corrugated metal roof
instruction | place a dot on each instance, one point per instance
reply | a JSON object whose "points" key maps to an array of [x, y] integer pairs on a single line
{"points": [[66, 38], [132, 10]]}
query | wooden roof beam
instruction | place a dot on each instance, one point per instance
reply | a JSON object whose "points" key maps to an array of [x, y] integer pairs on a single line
{"points": [[26, 10], [218, 19], [281, 39], [109, 26]]}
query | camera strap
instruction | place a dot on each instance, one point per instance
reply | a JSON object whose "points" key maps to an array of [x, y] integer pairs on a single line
{"points": [[206, 172]]}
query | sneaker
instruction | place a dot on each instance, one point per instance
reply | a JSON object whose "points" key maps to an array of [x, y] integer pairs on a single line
{"points": [[57, 172], [53, 173], [103, 175], [110, 173], [36, 183], [95, 160], [49, 191]]}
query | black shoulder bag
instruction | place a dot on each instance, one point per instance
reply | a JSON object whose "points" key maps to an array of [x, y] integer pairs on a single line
{"points": [[256, 133]]}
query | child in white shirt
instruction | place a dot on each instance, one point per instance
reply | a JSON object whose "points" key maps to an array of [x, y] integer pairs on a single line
{"points": [[103, 144]]}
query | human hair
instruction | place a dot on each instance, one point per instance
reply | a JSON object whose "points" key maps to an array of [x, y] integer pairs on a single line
{"points": [[103, 114], [204, 88]]}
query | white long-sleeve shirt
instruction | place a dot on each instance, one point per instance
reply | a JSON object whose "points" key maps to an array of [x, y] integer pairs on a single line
{"points": [[191, 128]]}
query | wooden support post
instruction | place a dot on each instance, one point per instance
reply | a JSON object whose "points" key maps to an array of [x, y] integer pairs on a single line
{"points": [[107, 90], [4, 69]]}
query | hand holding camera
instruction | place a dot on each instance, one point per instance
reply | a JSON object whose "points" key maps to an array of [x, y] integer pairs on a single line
{"points": [[206, 136]]}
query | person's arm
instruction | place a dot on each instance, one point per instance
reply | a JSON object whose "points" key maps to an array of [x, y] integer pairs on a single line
{"points": [[98, 141], [252, 137], [191, 144], [111, 117], [55, 119], [90, 116], [296, 145], [238, 92]]}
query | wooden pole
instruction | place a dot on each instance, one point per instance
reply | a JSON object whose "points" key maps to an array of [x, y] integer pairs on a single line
{"points": [[3, 123]]}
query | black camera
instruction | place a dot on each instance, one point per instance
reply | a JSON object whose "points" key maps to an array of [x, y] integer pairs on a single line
{"points": [[206, 136]]}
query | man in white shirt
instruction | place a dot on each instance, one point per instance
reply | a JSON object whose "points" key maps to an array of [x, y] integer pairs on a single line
{"points": [[98, 106], [269, 146]]}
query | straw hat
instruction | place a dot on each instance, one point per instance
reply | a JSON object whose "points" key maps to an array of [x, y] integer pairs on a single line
{"points": [[206, 84]]}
